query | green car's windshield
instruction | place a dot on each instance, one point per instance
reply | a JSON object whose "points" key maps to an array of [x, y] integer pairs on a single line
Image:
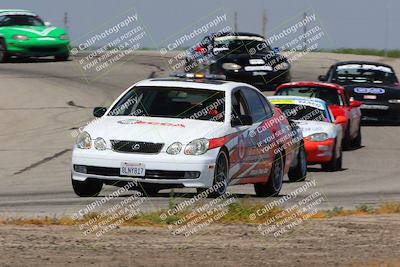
{"points": [[296, 112], [20, 20], [172, 102]]}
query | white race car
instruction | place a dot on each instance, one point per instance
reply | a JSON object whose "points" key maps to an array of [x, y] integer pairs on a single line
{"points": [[322, 133], [187, 131]]}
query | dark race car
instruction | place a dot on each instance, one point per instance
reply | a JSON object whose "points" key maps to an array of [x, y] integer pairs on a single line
{"points": [[242, 57], [374, 84]]}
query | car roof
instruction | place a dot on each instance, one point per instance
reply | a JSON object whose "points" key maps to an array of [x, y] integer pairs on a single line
{"points": [[361, 62], [206, 84], [15, 10], [238, 34], [310, 83]]}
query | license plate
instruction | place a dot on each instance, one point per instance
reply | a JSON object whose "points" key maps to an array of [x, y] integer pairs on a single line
{"points": [[258, 68], [132, 169], [259, 73], [369, 96]]}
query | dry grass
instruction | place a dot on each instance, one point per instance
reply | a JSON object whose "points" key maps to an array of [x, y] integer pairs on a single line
{"points": [[238, 213]]}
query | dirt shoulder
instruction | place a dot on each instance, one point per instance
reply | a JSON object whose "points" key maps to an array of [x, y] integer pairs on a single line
{"points": [[340, 241]]}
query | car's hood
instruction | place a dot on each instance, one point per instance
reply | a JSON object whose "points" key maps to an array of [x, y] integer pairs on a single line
{"points": [[312, 127], [33, 31], [152, 129]]}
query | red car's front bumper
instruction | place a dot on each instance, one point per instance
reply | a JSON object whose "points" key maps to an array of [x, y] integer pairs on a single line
{"points": [[319, 152]]}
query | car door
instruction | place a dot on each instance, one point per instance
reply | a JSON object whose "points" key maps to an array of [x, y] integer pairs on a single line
{"points": [[260, 147]]}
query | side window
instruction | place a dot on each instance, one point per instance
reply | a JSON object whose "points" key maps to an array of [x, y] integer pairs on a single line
{"points": [[267, 106], [239, 106], [256, 107]]}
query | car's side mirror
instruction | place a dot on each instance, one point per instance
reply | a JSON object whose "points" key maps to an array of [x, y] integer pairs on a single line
{"points": [[340, 120], [47, 24], [322, 78], [241, 120], [355, 104], [99, 111]]}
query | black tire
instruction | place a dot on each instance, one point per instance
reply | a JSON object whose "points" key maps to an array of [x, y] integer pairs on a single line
{"points": [[336, 162], [88, 188], [3, 51], [347, 139], [62, 57], [358, 140], [149, 190], [298, 173], [221, 173], [275, 181]]}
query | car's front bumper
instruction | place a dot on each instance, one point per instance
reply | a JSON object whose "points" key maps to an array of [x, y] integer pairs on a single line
{"points": [[319, 152], [270, 80], [380, 112], [162, 168], [38, 48]]}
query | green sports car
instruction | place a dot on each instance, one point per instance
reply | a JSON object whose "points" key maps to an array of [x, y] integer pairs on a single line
{"points": [[24, 34]]}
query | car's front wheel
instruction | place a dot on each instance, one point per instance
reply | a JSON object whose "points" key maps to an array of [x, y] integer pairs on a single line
{"points": [[335, 164], [220, 182], [3, 52], [87, 188], [358, 140], [275, 181]]}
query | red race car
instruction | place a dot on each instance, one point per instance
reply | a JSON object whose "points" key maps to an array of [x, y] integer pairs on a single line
{"points": [[338, 101]]}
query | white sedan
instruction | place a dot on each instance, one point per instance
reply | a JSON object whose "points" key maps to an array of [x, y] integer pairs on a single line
{"points": [[185, 131]]}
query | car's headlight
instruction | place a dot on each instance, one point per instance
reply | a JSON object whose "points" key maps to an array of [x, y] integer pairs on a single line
{"points": [[100, 143], [20, 37], [231, 66], [174, 148], [64, 37], [282, 66], [84, 141], [197, 147], [394, 101], [318, 137]]}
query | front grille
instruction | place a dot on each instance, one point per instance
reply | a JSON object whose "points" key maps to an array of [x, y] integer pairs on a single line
{"points": [[150, 174], [43, 49], [136, 147]]}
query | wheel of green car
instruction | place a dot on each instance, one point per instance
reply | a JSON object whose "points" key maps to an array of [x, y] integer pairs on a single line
{"points": [[61, 57], [3, 51]]}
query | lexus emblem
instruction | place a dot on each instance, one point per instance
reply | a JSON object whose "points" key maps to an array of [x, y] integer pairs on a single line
{"points": [[135, 147]]}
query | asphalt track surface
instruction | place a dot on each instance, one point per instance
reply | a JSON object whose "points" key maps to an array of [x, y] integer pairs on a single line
{"points": [[42, 102]]}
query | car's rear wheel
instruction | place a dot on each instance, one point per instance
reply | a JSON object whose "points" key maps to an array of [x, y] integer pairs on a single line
{"points": [[298, 173], [220, 182], [3, 52], [274, 184], [62, 57], [88, 188], [347, 138], [335, 164], [358, 140]]}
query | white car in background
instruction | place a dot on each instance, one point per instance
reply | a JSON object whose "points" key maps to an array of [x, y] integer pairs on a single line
{"points": [[322, 133], [187, 131]]}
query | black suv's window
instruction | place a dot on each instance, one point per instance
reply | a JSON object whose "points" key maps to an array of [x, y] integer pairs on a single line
{"points": [[256, 107]]}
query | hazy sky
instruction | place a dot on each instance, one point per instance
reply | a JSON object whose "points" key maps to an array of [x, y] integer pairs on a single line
{"points": [[347, 23]]}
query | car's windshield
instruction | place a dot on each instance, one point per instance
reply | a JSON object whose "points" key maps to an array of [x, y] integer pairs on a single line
{"points": [[240, 44], [172, 102], [330, 96], [364, 73], [303, 112], [20, 20]]}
